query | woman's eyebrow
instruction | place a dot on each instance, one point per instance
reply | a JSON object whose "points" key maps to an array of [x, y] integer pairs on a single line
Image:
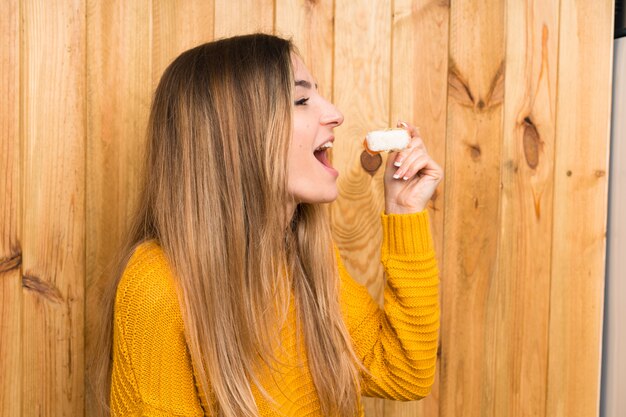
{"points": [[304, 83]]}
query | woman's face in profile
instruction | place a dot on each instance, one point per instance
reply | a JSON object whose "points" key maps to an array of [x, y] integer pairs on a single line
{"points": [[311, 177]]}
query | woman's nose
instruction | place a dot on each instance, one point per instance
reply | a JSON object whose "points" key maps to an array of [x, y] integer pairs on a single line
{"points": [[331, 115]]}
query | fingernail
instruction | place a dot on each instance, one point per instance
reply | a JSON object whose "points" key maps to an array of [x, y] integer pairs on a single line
{"points": [[405, 178], [397, 163], [396, 176]]}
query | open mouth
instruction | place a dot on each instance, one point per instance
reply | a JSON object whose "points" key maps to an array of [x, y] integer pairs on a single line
{"points": [[321, 154]]}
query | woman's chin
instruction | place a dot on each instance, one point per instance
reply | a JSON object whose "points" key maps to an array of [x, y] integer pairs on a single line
{"points": [[329, 195], [318, 197], [328, 200]]}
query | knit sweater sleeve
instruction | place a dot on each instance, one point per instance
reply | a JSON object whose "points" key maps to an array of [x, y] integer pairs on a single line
{"points": [[152, 370], [398, 345]]}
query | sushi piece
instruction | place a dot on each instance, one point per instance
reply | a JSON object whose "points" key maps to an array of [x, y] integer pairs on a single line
{"points": [[386, 140]]}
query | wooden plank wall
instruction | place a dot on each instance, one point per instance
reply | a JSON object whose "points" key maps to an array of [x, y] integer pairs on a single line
{"points": [[512, 98], [580, 207], [10, 216]]}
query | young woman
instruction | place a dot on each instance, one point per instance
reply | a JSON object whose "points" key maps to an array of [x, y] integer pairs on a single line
{"points": [[231, 298]]}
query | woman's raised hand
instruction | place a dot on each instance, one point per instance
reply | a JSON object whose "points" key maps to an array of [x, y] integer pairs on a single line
{"points": [[411, 176]]}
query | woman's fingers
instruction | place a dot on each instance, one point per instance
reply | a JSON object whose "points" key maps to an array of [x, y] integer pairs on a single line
{"points": [[414, 157], [408, 157], [416, 144], [420, 173], [413, 167], [413, 131], [405, 164]]}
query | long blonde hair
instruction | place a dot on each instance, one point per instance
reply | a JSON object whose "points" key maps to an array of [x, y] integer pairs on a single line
{"points": [[215, 198]]}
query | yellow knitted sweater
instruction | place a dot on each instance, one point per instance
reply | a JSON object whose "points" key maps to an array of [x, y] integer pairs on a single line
{"points": [[152, 370]]}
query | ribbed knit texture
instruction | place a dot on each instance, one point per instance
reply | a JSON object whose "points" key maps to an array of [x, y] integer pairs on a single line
{"points": [[152, 369]]}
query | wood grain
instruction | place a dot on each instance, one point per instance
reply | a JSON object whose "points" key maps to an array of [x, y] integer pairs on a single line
{"points": [[525, 240], [361, 91], [580, 207], [119, 71], [53, 245], [310, 26], [471, 223], [178, 25], [418, 96], [238, 17], [10, 215]]}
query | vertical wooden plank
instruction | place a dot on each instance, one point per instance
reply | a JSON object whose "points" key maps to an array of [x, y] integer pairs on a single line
{"points": [[10, 215], [238, 17], [419, 82], [418, 95], [471, 215], [119, 81], [310, 26], [53, 257], [523, 271], [361, 91], [580, 207], [177, 26]]}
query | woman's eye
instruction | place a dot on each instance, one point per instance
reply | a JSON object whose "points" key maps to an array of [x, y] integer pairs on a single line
{"points": [[302, 101]]}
